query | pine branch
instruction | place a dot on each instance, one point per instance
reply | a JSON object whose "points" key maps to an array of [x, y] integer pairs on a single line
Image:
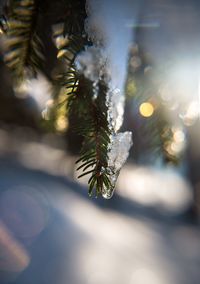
{"points": [[87, 101], [91, 116], [69, 46], [92, 124], [23, 47]]}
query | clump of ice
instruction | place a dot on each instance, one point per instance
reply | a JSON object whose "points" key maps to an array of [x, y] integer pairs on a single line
{"points": [[115, 103], [91, 63], [119, 150], [94, 32], [94, 26], [107, 24]]}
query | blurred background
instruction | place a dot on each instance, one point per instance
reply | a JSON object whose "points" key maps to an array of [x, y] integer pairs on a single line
{"points": [[50, 230]]}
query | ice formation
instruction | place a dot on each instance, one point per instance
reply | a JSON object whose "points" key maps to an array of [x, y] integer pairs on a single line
{"points": [[115, 102], [94, 26], [107, 24], [91, 63], [119, 149], [111, 61], [117, 156]]}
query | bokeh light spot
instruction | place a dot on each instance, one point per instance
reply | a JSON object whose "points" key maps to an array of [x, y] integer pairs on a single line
{"points": [[146, 109]]}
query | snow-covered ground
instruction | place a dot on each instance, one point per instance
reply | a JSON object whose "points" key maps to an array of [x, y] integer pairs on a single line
{"points": [[52, 232]]}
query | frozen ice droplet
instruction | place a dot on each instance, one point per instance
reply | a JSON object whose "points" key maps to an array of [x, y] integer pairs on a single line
{"points": [[107, 194]]}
